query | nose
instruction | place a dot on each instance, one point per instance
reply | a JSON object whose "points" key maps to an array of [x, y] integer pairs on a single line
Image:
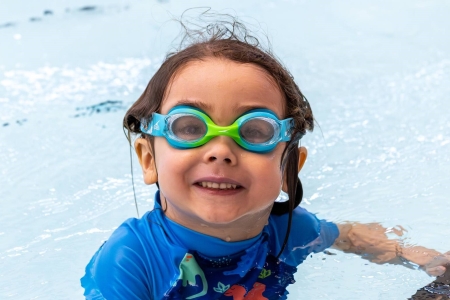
{"points": [[222, 150]]}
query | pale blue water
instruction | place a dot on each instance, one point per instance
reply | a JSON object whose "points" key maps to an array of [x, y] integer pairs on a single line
{"points": [[377, 75]]}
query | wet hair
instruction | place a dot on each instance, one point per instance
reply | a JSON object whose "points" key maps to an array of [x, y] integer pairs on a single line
{"points": [[229, 39]]}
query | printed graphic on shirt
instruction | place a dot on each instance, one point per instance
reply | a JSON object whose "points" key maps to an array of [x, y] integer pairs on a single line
{"points": [[221, 288], [240, 293], [201, 279], [189, 273]]}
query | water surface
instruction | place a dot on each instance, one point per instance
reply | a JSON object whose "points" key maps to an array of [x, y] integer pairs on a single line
{"points": [[376, 75]]}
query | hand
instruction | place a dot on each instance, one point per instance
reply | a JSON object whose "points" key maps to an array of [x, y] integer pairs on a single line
{"points": [[438, 265], [433, 262]]}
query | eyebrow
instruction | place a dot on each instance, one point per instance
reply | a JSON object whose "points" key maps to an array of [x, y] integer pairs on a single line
{"points": [[195, 103], [207, 107]]}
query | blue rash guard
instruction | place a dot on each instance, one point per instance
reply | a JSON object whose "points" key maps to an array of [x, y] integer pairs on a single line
{"points": [[156, 258]]}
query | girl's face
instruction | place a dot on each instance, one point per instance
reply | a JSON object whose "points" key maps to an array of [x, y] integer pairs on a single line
{"points": [[190, 180]]}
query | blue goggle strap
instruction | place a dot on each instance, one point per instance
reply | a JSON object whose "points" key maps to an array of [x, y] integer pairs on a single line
{"points": [[156, 127]]}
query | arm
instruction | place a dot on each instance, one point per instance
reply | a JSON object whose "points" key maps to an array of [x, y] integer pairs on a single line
{"points": [[371, 241]]}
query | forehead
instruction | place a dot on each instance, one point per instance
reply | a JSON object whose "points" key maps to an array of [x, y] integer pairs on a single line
{"points": [[223, 89]]}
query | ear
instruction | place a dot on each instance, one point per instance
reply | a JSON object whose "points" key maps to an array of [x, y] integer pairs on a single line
{"points": [[146, 160], [302, 155]]}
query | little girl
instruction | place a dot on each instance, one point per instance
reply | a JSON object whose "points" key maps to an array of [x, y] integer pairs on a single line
{"points": [[218, 129]]}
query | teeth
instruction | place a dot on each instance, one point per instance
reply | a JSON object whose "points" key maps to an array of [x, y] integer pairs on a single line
{"points": [[215, 185]]}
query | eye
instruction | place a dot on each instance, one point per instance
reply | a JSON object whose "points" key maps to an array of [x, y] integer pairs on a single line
{"points": [[188, 128], [257, 131]]}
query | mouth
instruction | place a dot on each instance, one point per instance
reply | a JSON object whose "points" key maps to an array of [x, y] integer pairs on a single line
{"points": [[218, 186]]}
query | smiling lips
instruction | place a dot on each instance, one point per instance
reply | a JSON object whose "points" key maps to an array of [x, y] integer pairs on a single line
{"points": [[216, 185]]}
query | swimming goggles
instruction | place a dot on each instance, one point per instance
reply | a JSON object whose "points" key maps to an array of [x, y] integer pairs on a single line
{"points": [[185, 127]]}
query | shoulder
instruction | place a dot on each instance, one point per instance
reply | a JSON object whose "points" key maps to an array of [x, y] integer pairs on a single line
{"points": [[122, 267], [307, 234], [125, 242], [301, 218]]}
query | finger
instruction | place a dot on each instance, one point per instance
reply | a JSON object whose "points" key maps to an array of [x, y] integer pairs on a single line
{"points": [[436, 271]]}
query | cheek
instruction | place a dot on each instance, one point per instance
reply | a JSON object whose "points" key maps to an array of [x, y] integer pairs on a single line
{"points": [[267, 170], [270, 167], [171, 163]]}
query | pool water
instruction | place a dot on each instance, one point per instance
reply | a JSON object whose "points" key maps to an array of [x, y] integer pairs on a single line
{"points": [[376, 74]]}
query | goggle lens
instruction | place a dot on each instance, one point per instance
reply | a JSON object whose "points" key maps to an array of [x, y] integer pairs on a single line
{"points": [[257, 131], [187, 127]]}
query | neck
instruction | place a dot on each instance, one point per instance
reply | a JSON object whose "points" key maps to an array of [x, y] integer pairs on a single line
{"points": [[243, 228]]}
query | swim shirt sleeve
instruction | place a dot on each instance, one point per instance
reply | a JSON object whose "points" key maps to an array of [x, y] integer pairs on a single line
{"points": [[308, 235], [117, 270]]}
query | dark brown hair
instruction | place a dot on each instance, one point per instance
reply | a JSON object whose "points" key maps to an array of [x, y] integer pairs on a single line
{"points": [[231, 40]]}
